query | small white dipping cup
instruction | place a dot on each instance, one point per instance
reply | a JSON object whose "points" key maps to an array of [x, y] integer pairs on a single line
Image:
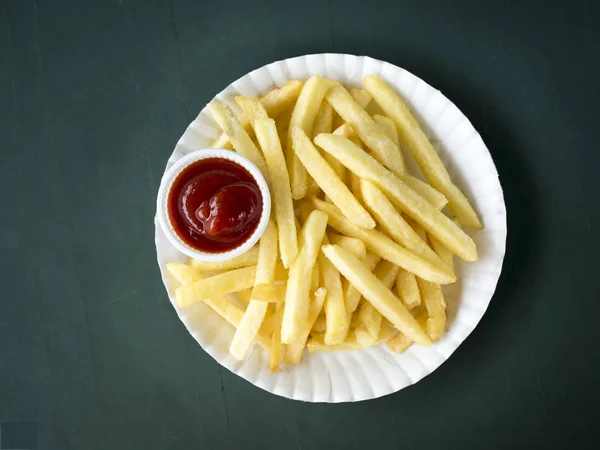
{"points": [[165, 187]]}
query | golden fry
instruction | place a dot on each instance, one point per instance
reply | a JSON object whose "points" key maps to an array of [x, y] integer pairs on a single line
{"points": [[374, 291], [408, 289], [250, 258], [293, 354], [363, 165], [282, 194], [424, 153]]}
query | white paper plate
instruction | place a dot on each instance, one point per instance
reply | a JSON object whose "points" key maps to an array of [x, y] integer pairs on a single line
{"points": [[354, 376]]}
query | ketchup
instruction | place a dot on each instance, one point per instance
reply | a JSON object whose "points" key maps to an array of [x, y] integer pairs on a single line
{"points": [[214, 205]]}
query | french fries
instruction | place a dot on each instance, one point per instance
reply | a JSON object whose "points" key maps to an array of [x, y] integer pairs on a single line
{"points": [[255, 313], [395, 226], [379, 243], [335, 308], [303, 117], [408, 289], [241, 141], [295, 311], [268, 139], [363, 165], [374, 291], [225, 283], [328, 181], [250, 258], [424, 153], [293, 355], [274, 103], [369, 132], [322, 275]]}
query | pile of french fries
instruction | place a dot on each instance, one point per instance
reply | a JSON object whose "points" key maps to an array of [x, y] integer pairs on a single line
{"points": [[357, 248]]}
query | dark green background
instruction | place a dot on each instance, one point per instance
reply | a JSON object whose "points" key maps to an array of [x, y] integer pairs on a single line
{"points": [[93, 97]]}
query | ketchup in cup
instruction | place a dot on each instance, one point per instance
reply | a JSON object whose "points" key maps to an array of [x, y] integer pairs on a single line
{"points": [[214, 205]]}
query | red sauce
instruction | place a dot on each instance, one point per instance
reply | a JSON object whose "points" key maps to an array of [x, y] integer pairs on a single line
{"points": [[214, 205]]}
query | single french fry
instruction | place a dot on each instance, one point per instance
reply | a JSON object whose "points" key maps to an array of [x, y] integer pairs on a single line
{"points": [[272, 322], [276, 346], [283, 123], [240, 139], [433, 299], [445, 255], [233, 281], [255, 313], [316, 343], [374, 291], [250, 258], [363, 165], [223, 307], [327, 180], [295, 313], [335, 308], [369, 132], [275, 103], [268, 139], [353, 245], [408, 289], [379, 243], [293, 354], [395, 226], [413, 135], [399, 343], [306, 109]]}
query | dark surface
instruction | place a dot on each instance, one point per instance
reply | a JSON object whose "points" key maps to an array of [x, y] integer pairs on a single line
{"points": [[93, 97]]}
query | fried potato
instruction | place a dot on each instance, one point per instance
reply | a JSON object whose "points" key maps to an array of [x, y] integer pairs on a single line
{"points": [[295, 313], [374, 291], [399, 343], [433, 299], [255, 313], [315, 279], [363, 165], [408, 289], [352, 294], [353, 245], [252, 109], [368, 316], [413, 135], [433, 196], [328, 181], [233, 281], [223, 307], [304, 114], [282, 195], [250, 258], [275, 103], [317, 345], [361, 96], [369, 132], [395, 226], [335, 307], [379, 243], [240, 139], [348, 132], [276, 346], [323, 120], [293, 354]]}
